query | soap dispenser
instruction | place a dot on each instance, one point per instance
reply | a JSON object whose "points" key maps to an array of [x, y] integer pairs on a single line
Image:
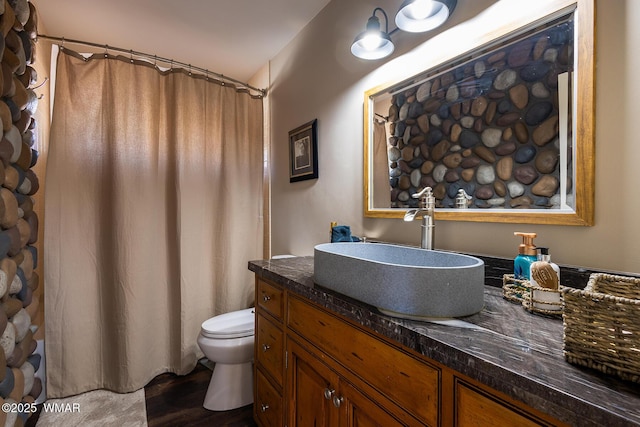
{"points": [[526, 256], [543, 272]]}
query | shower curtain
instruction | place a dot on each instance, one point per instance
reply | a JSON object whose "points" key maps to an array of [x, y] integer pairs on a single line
{"points": [[381, 187], [153, 208]]}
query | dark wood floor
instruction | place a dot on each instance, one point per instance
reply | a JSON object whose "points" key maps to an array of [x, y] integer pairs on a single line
{"points": [[174, 400], [177, 401]]}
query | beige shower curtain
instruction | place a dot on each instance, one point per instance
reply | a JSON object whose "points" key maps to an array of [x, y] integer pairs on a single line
{"points": [[381, 186], [153, 208]]}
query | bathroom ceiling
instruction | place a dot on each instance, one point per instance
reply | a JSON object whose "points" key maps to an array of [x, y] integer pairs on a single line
{"points": [[232, 37]]}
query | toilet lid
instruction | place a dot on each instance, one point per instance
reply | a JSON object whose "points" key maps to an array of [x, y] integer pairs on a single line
{"points": [[235, 324]]}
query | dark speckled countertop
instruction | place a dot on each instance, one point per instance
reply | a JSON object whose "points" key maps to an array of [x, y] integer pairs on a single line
{"points": [[505, 347]]}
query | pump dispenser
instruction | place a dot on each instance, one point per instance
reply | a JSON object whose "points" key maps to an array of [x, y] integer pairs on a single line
{"points": [[526, 256], [543, 272]]}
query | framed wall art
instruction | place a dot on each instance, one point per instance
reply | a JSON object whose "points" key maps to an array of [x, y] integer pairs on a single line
{"points": [[303, 152]]}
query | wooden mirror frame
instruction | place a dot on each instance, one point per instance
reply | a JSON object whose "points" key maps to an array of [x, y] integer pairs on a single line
{"points": [[584, 135]]}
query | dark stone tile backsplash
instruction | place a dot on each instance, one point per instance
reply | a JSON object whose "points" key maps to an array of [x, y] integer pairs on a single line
{"points": [[574, 277]]}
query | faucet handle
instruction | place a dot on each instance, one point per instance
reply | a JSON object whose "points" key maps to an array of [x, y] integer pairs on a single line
{"points": [[426, 190], [462, 199], [428, 201]]}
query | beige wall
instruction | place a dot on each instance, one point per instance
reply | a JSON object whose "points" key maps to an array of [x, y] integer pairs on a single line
{"points": [[43, 118], [261, 80], [316, 77]]}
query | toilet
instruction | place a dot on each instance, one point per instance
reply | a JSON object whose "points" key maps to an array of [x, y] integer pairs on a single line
{"points": [[227, 340]]}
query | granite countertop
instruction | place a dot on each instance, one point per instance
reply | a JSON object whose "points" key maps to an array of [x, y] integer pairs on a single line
{"points": [[503, 346]]}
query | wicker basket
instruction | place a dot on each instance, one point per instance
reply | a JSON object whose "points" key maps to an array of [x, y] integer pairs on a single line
{"points": [[602, 325], [544, 301], [515, 290]]}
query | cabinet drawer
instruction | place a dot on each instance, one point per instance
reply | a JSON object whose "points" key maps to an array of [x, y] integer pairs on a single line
{"points": [[270, 298], [268, 404], [409, 382], [476, 407], [269, 347]]}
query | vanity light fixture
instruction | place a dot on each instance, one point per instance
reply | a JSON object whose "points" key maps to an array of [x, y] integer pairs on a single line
{"points": [[417, 16], [414, 16], [373, 43]]}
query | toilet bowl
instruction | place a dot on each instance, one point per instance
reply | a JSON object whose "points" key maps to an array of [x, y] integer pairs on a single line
{"points": [[227, 340]]}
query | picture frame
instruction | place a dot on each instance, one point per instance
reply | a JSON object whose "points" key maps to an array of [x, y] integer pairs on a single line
{"points": [[303, 152]]}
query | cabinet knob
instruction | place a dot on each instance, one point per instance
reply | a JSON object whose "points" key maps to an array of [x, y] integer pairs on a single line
{"points": [[266, 298], [337, 401], [265, 347], [328, 393], [264, 407]]}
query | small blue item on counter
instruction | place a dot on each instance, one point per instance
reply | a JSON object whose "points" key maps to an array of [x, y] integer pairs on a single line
{"points": [[342, 233], [527, 255]]}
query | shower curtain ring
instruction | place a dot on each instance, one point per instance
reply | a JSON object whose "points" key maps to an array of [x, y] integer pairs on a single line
{"points": [[106, 50], [131, 55], [189, 69], [46, 79]]}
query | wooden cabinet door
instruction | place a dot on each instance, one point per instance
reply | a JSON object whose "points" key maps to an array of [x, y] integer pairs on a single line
{"points": [[408, 382], [269, 347], [267, 407], [474, 407], [320, 397], [270, 298], [357, 410], [312, 385]]}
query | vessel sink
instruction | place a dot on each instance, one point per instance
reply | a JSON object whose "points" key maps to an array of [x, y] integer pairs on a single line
{"points": [[402, 281]]}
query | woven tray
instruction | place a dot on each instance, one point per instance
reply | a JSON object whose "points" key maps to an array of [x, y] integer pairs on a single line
{"points": [[515, 290], [602, 325]]}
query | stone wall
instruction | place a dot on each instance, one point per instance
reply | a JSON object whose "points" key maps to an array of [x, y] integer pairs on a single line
{"points": [[18, 222], [488, 125]]}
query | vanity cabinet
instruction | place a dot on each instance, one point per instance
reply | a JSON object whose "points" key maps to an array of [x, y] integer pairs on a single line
{"points": [[321, 397], [400, 384], [314, 367], [269, 352]]}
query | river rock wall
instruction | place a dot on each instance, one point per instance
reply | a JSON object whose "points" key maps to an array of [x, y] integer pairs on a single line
{"points": [[18, 222], [489, 126]]}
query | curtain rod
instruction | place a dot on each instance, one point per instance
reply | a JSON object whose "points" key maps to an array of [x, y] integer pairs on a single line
{"points": [[62, 40]]}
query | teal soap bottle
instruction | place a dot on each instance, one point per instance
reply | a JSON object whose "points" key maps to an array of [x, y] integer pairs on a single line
{"points": [[527, 255]]}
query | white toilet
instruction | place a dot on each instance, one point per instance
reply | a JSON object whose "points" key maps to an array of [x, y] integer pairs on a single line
{"points": [[227, 340]]}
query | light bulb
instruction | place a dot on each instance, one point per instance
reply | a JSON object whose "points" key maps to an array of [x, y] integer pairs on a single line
{"points": [[371, 41], [417, 16], [419, 9]]}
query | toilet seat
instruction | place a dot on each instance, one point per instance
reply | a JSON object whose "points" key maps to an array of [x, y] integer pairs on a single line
{"points": [[236, 324]]}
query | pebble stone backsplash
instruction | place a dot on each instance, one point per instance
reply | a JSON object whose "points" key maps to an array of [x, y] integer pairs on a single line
{"points": [[488, 126]]}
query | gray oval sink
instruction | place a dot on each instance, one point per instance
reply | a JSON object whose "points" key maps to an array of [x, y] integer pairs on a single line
{"points": [[402, 281]]}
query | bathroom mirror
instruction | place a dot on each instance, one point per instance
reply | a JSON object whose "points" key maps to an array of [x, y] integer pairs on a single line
{"points": [[511, 122]]}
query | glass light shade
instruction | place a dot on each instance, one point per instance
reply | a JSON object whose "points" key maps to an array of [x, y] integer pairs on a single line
{"points": [[372, 45], [417, 16]]}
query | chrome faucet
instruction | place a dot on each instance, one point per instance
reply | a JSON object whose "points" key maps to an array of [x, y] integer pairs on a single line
{"points": [[426, 210], [462, 199]]}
